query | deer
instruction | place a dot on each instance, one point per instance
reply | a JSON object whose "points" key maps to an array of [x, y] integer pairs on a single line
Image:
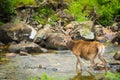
{"points": [[88, 50]]}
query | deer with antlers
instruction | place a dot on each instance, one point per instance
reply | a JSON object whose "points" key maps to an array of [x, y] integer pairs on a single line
{"points": [[88, 50]]}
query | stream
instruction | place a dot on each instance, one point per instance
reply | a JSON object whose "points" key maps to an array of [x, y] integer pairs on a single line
{"points": [[58, 64]]}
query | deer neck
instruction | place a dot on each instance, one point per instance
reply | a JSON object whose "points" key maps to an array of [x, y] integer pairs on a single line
{"points": [[70, 44]]}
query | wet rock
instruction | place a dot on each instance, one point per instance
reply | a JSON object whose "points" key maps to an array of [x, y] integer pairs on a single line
{"points": [[109, 34], [117, 55], [115, 27], [85, 31], [25, 46], [55, 41], [72, 25], [22, 53], [48, 39], [116, 39], [98, 30], [42, 33], [114, 66], [16, 32], [118, 70]]}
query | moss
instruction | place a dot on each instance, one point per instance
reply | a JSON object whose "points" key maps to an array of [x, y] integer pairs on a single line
{"points": [[23, 2]]}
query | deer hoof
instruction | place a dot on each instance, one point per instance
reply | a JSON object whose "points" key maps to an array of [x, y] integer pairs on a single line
{"points": [[79, 71]]}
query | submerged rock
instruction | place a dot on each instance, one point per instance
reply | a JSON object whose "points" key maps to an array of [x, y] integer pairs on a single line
{"points": [[117, 55]]}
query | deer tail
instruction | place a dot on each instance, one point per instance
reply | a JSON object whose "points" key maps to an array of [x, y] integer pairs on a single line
{"points": [[101, 49]]}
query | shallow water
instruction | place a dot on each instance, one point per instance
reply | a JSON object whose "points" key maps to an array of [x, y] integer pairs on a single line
{"points": [[57, 64]]}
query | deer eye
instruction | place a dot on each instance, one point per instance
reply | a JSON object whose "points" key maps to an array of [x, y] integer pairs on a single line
{"points": [[64, 40]]}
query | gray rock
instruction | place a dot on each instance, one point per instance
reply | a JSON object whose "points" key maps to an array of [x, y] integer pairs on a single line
{"points": [[117, 55], [16, 32], [25, 46]]}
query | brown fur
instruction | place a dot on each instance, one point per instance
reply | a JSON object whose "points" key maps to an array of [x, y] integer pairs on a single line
{"points": [[88, 50]]}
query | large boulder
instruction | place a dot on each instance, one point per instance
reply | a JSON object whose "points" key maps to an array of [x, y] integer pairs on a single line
{"points": [[42, 33], [109, 34], [84, 30], [52, 41], [55, 41], [16, 32], [47, 38], [25, 46]]}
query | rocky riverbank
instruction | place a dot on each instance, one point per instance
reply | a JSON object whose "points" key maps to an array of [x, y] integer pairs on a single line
{"points": [[57, 64]]}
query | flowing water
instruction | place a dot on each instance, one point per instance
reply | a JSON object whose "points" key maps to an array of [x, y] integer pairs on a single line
{"points": [[57, 64]]}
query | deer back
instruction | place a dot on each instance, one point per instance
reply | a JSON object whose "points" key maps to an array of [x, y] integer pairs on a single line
{"points": [[87, 49]]}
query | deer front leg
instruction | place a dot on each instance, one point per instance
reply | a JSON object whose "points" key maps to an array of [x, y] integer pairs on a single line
{"points": [[78, 65], [92, 63]]}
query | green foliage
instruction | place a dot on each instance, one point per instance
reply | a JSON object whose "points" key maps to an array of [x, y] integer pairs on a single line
{"points": [[46, 11], [1, 23], [80, 9], [107, 10], [46, 77], [33, 78], [106, 16], [112, 76], [45, 15], [6, 10], [75, 8]]}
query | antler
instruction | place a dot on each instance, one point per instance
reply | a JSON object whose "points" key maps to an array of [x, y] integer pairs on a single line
{"points": [[76, 29], [68, 32], [61, 29]]}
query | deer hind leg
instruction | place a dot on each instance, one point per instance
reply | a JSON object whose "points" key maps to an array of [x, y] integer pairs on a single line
{"points": [[93, 65], [103, 60], [78, 65]]}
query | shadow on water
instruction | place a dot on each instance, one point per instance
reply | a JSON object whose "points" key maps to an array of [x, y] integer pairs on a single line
{"points": [[79, 76], [3, 59]]}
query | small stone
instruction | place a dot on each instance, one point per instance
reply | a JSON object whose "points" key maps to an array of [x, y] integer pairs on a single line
{"points": [[22, 53], [10, 54]]}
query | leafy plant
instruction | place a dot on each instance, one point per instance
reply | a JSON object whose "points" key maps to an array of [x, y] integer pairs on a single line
{"points": [[6, 10], [75, 8], [107, 10], [45, 15], [112, 76], [46, 77], [33, 78]]}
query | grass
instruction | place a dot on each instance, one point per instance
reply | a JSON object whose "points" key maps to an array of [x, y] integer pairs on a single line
{"points": [[45, 76], [112, 76]]}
